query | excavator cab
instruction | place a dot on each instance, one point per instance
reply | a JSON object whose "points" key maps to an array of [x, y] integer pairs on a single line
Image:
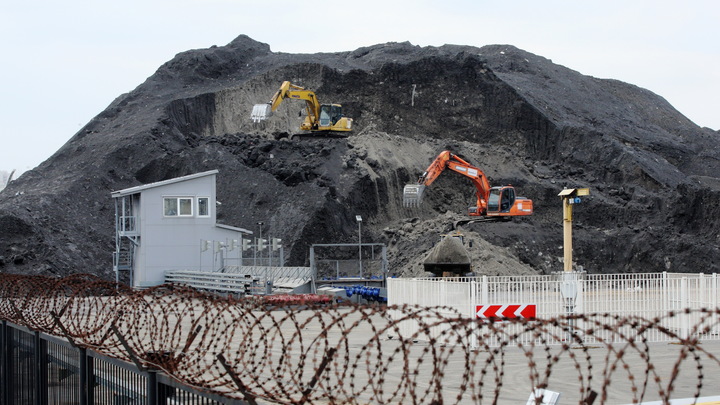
{"points": [[330, 114], [501, 199], [503, 202]]}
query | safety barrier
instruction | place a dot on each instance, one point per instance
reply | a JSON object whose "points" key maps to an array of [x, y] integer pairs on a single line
{"points": [[649, 296]]}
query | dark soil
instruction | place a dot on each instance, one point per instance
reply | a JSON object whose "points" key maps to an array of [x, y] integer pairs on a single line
{"points": [[525, 121]]}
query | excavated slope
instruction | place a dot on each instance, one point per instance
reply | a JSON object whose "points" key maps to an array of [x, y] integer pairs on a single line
{"points": [[521, 118]]}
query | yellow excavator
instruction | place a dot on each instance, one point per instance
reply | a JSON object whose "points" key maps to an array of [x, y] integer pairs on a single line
{"points": [[321, 120]]}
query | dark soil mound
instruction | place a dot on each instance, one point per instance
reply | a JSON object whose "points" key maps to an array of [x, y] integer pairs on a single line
{"points": [[524, 120]]}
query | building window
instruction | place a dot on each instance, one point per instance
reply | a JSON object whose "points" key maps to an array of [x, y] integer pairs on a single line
{"points": [[178, 206], [185, 207], [203, 206]]}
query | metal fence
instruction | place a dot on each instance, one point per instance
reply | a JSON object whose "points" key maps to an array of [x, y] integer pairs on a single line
{"points": [[38, 368], [347, 260], [647, 296]]}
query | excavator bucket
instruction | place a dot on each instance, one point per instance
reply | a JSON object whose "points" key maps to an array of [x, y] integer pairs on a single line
{"points": [[413, 195], [261, 112]]}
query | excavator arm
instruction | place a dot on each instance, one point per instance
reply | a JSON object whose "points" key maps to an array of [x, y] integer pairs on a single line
{"points": [[288, 90], [413, 193]]}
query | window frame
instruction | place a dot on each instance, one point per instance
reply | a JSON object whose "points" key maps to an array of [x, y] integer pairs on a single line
{"points": [[178, 206], [199, 214]]}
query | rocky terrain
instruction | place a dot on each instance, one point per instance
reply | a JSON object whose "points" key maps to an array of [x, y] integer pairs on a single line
{"points": [[521, 118]]}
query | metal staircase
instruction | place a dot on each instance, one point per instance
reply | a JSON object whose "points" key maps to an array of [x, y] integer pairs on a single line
{"points": [[127, 238]]}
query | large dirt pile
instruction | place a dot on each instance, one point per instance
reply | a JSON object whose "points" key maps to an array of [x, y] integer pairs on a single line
{"points": [[524, 120]]}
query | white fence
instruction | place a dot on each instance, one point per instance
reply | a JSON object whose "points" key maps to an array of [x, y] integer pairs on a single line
{"points": [[648, 296]]}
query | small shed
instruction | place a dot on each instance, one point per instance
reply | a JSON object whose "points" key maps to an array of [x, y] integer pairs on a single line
{"points": [[166, 226]]}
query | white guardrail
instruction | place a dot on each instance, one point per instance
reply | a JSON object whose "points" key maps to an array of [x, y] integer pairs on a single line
{"points": [[242, 279], [648, 295]]}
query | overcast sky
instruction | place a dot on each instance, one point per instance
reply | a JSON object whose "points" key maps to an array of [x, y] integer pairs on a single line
{"points": [[63, 62]]}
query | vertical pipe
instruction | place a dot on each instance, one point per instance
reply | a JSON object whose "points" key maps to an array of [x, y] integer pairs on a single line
{"points": [[313, 269], [384, 265], [260, 240]]}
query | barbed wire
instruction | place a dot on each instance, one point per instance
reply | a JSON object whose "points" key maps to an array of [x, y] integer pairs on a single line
{"points": [[342, 353]]}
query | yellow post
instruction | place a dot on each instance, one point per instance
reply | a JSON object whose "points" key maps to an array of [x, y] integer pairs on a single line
{"points": [[567, 235], [569, 198]]}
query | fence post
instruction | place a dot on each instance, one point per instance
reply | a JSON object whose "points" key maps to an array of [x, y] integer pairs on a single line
{"points": [[9, 377], [85, 384], [714, 305], [484, 296], [685, 318], [665, 292], [40, 371], [5, 374], [473, 313], [151, 389]]}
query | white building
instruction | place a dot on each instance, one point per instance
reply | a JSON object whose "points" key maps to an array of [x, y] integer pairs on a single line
{"points": [[168, 225]]}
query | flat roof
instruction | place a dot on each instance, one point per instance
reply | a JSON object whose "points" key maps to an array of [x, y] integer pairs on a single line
{"points": [[137, 189]]}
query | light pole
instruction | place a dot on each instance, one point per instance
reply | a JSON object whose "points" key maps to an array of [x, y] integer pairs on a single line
{"points": [[258, 242], [358, 218]]}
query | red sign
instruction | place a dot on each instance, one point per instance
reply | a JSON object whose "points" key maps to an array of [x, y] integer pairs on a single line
{"points": [[507, 311]]}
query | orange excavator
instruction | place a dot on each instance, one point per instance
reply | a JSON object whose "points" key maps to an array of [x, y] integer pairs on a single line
{"points": [[492, 202]]}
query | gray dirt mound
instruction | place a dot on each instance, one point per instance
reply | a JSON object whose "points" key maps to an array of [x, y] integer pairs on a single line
{"points": [[523, 119]]}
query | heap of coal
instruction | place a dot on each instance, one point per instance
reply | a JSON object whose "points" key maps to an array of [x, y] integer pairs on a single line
{"points": [[521, 118]]}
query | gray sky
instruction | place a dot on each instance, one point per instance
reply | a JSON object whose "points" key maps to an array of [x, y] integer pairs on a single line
{"points": [[64, 61]]}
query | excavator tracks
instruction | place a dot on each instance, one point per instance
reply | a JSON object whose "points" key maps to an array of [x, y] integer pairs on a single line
{"points": [[462, 222]]}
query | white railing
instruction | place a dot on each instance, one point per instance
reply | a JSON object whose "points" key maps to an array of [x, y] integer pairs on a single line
{"points": [[648, 296], [223, 282], [126, 225], [272, 272]]}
